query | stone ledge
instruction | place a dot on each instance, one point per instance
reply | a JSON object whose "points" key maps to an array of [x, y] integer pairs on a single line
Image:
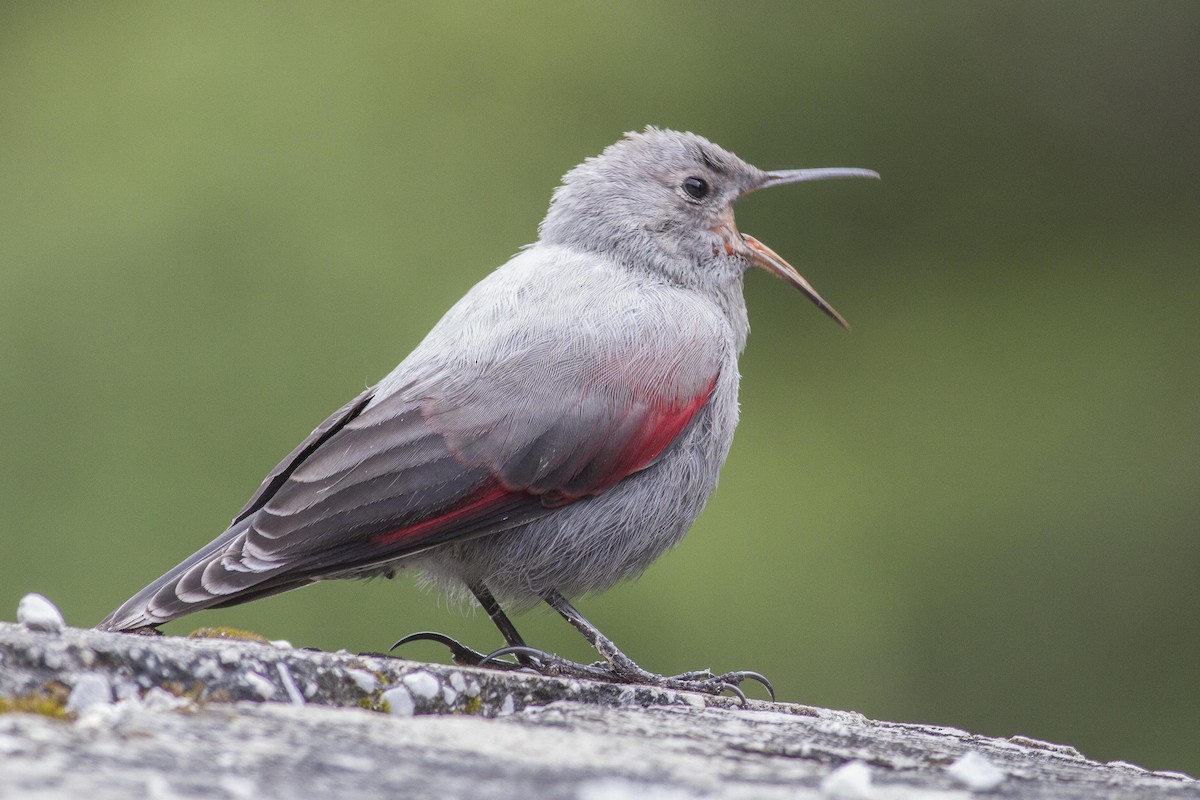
{"points": [[242, 719]]}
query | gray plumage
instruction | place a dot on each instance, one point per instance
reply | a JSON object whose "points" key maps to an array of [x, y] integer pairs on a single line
{"points": [[559, 429]]}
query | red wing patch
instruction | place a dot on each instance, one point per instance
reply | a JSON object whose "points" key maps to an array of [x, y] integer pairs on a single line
{"points": [[658, 429], [487, 496], [659, 426]]}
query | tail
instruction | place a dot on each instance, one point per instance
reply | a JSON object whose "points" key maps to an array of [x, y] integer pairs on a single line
{"points": [[190, 586]]}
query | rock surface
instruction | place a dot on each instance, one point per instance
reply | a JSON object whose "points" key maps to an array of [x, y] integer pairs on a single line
{"points": [[164, 717]]}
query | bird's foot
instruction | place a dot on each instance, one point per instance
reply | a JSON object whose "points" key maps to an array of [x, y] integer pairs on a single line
{"points": [[619, 668], [459, 652], [615, 668]]}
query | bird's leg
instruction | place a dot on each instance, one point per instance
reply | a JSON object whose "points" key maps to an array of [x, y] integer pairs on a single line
{"points": [[623, 668], [461, 654], [622, 665], [489, 604]]}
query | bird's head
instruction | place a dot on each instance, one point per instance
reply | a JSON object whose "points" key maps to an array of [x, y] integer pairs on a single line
{"points": [[663, 200]]}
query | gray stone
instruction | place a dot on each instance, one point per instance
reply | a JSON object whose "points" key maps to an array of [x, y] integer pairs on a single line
{"points": [[472, 733]]}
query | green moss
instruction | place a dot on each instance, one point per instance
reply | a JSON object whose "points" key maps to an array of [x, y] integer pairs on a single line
{"points": [[473, 705], [228, 633], [50, 702]]}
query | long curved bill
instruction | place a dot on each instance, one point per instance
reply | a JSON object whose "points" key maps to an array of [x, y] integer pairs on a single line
{"points": [[760, 255]]}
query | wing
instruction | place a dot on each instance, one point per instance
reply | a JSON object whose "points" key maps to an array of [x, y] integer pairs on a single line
{"points": [[513, 424]]}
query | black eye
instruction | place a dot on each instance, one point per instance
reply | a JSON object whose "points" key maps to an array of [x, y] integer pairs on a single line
{"points": [[697, 188]]}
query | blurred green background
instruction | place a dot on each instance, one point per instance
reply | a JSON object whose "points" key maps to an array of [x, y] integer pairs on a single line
{"points": [[220, 221]]}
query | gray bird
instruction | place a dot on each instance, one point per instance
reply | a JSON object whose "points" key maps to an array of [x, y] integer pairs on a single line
{"points": [[558, 430]]}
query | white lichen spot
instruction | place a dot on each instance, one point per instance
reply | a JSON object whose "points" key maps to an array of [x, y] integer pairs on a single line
{"points": [[365, 681], [458, 681], [289, 685], [90, 690], [37, 613], [422, 684], [229, 657], [53, 659], [207, 670], [507, 707], [974, 771], [283, 644], [399, 702], [449, 695], [259, 685], [850, 781], [473, 689]]}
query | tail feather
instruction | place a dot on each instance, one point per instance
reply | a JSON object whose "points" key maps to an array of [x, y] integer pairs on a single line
{"points": [[176, 593]]}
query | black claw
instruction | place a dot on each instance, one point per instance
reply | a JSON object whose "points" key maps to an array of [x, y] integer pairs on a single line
{"points": [[459, 652], [539, 657], [727, 681], [746, 675], [465, 656], [736, 691], [428, 636]]}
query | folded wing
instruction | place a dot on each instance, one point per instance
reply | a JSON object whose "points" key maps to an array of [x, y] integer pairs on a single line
{"points": [[452, 448]]}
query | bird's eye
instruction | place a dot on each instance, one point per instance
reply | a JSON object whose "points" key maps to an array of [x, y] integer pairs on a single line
{"points": [[696, 188]]}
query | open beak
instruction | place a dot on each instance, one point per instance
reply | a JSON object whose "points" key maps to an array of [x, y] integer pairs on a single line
{"points": [[760, 255]]}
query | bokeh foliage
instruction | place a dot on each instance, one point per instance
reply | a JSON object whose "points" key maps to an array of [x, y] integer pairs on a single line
{"points": [[221, 220]]}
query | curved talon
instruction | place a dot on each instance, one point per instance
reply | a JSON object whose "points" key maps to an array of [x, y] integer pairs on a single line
{"points": [[432, 636], [540, 657], [736, 691], [728, 680], [747, 675], [459, 652]]}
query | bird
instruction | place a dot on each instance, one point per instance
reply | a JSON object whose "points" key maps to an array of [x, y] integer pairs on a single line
{"points": [[559, 429]]}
